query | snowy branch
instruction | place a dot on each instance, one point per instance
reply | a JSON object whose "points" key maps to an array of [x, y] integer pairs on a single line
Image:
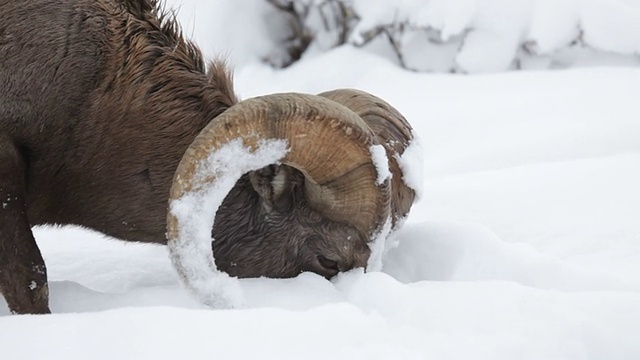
{"points": [[452, 35]]}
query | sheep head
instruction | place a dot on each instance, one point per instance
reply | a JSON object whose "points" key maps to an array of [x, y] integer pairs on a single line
{"points": [[320, 205]]}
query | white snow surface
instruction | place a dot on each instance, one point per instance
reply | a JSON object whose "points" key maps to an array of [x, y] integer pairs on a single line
{"points": [[525, 243]]}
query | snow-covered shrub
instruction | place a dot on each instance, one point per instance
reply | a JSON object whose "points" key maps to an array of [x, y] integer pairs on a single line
{"points": [[469, 35], [321, 24]]}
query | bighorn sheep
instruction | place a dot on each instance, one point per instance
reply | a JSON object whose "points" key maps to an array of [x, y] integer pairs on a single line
{"points": [[100, 100]]}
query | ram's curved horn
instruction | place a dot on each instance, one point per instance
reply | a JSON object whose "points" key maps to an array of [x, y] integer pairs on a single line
{"points": [[392, 131], [327, 142]]}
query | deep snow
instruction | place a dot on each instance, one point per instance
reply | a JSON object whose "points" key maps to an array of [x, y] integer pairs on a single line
{"points": [[525, 243]]}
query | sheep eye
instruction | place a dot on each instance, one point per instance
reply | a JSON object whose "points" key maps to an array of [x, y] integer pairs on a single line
{"points": [[327, 263]]}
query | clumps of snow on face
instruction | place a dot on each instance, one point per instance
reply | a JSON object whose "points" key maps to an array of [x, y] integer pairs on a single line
{"points": [[381, 162], [192, 253], [378, 247], [411, 164]]}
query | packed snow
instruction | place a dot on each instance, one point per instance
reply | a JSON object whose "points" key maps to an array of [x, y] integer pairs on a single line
{"points": [[525, 243]]}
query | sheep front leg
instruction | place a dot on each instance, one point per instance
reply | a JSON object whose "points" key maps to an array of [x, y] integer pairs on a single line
{"points": [[23, 276]]}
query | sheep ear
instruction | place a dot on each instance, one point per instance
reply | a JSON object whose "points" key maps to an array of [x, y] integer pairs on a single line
{"points": [[270, 183]]}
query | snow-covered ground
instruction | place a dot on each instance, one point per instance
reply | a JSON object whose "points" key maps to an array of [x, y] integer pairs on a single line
{"points": [[524, 245]]}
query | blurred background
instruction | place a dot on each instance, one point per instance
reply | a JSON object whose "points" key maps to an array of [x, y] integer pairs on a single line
{"points": [[450, 36]]}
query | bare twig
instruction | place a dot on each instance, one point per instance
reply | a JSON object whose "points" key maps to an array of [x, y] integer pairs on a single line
{"points": [[334, 15]]}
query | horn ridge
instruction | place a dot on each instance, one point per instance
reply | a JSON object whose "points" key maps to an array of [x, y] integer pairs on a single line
{"points": [[392, 131]]}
